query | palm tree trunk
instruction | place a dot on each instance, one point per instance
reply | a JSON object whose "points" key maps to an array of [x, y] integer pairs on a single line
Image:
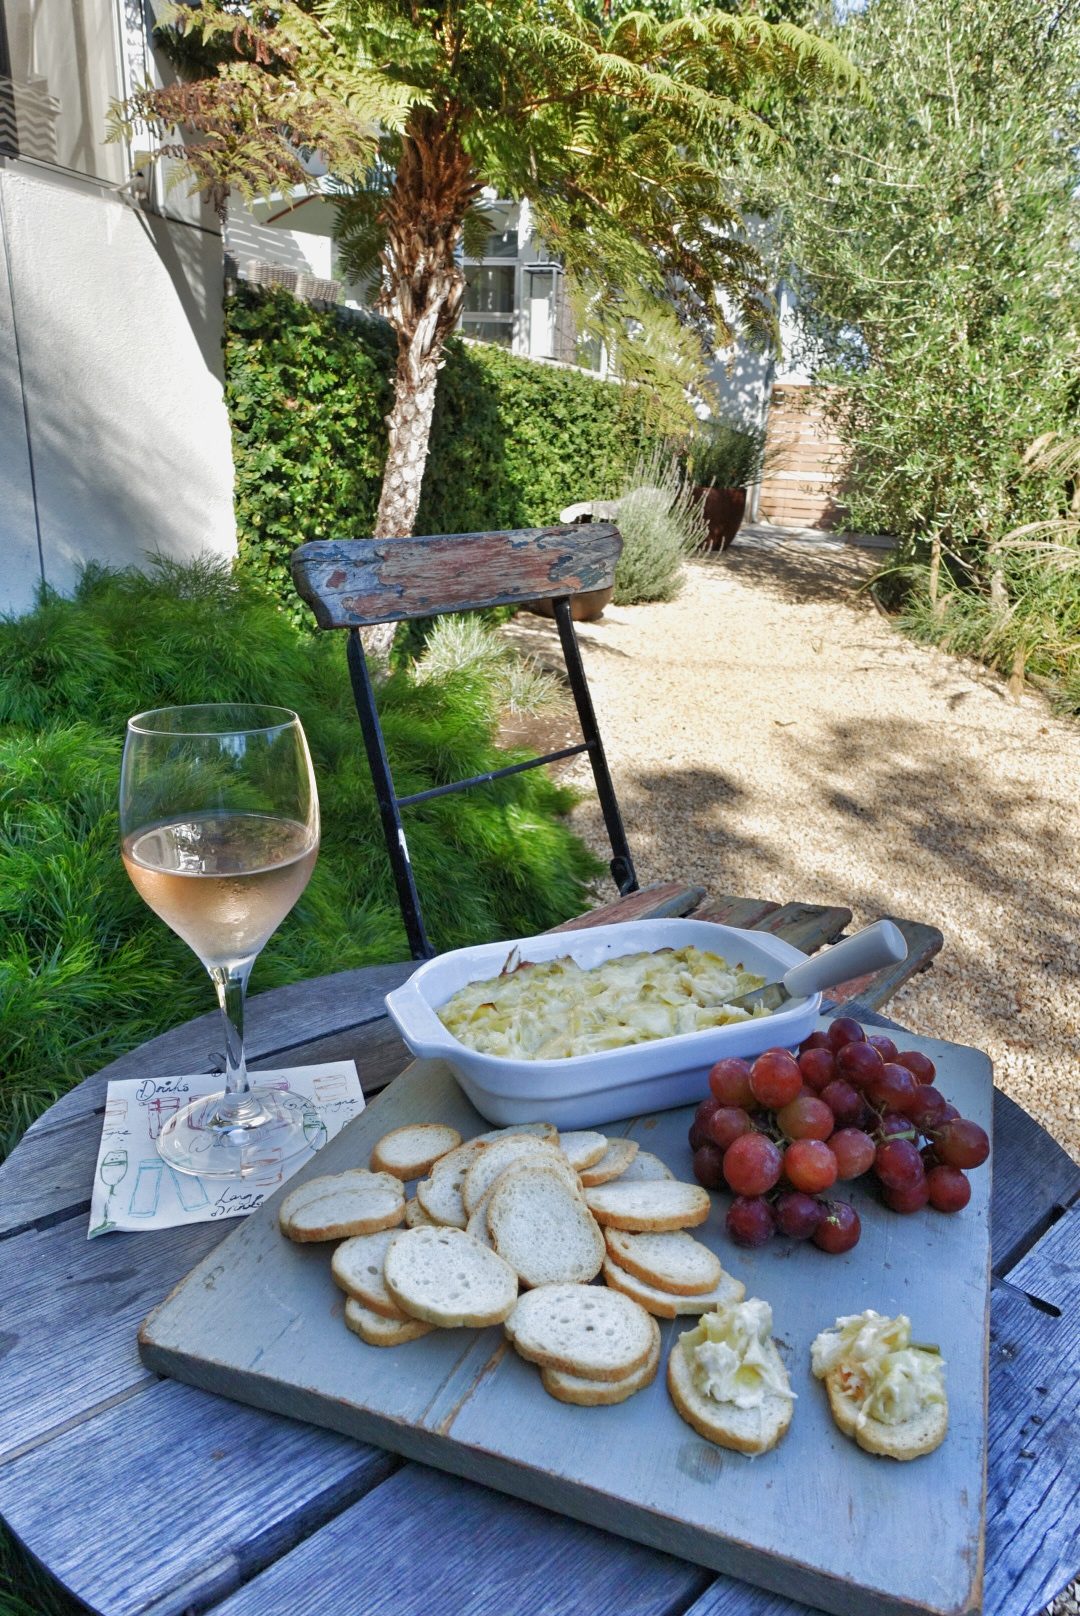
{"points": [[423, 289]]}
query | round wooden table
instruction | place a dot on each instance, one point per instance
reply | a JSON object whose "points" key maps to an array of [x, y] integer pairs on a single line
{"points": [[146, 1497]]}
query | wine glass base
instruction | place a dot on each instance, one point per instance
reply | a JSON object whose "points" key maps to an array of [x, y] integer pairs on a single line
{"points": [[231, 1136]]}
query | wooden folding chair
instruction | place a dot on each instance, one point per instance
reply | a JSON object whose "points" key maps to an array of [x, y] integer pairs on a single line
{"points": [[351, 584]]}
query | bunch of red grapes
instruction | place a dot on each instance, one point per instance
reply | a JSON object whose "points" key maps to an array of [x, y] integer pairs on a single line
{"points": [[779, 1133]]}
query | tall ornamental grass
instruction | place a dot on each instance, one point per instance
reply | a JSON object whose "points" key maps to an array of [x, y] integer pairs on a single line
{"points": [[86, 970], [661, 522]]}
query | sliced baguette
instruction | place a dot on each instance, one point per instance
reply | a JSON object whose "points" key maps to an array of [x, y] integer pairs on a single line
{"points": [[911, 1440], [746, 1430], [649, 1207], [583, 1149], [313, 1189], [378, 1331], [353, 1203], [447, 1278], [412, 1152], [644, 1165], [615, 1160], [488, 1164], [673, 1261], [357, 1267], [545, 1130], [542, 1227], [417, 1218], [588, 1393], [440, 1195], [582, 1330], [666, 1304]]}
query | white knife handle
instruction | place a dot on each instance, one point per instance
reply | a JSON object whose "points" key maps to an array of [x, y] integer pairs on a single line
{"points": [[867, 950]]}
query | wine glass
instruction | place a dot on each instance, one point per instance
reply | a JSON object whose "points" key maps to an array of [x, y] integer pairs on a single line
{"points": [[219, 827]]}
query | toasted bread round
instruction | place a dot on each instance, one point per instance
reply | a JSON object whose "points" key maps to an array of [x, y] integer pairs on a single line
{"points": [[583, 1149], [649, 1207], [543, 1227], [666, 1304], [487, 1165], [411, 1152], [673, 1261], [378, 1331], [911, 1440], [440, 1195], [351, 1203], [588, 1393], [447, 1278], [745, 1430], [644, 1165], [357, 1267], [582, 1330], [615, 1160], [544, 1130], [416, 1217]]}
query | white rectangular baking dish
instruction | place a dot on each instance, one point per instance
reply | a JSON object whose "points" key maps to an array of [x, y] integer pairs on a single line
{"points": [[585, 1090]]}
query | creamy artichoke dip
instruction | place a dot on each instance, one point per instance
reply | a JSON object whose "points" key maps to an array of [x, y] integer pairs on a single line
{"points": [[555, 1010], [730, 1358], [891, 1380]]}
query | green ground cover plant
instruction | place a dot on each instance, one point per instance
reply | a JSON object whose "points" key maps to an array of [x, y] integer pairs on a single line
{"points": [[308, 389], [86, 971]]}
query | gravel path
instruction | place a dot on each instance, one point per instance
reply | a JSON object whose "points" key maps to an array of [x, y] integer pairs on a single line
{"points": [[771, 735]]}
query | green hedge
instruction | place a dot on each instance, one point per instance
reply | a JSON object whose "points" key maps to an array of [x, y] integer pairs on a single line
{"points": [[308, 390]]}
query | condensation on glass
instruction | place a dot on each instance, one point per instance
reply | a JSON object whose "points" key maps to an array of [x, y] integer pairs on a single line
{"points": [[59, 72]]}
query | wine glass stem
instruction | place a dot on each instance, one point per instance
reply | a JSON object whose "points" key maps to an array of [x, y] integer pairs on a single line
{"points": [[231, 984]]}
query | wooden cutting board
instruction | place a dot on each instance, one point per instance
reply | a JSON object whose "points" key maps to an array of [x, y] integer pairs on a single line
{"points": [[817, 1519]]}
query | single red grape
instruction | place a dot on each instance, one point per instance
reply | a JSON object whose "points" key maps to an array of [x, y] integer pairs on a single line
{"points": [[884, 1046], [818, 1067], [912, 1198], [750, 1221], [949, 1189], [898, 1164], [807, 1118], [844, 1031], [854, 1152], [858, 1063], [727, 1124], [893, 1126], [928, 1109], [839, 1228], [961, 1143], [775, 1079], [810, 1165], [949, 1113], [797, 1215], [921, 1066], [894, 1088], [752, 1164], [696, 1137], [709, 1166], [843, 1101], [930, 1158], [816, 1040], [729, 1081], [705, 1110]]}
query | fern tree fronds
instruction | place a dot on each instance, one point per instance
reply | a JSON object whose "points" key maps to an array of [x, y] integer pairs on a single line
{"points": [[619, 127]]}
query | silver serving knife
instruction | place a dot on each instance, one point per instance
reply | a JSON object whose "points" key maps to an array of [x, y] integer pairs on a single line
{"points": [[867, 950]]}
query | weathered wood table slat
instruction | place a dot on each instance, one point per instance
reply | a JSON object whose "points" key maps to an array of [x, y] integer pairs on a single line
{"points": [[148, 1496]]}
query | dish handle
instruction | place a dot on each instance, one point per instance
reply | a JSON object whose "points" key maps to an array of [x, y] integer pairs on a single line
{"points": [[417, 1022]]}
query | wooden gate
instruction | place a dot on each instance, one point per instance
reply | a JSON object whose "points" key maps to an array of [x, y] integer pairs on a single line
{"points": [[804, 463]]}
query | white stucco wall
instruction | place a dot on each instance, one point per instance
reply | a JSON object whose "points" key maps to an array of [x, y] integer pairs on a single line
{"points": [[118, 316]]}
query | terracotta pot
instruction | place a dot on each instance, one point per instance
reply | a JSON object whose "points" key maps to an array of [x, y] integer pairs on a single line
{"points": [[584, 608], [724, 510]]}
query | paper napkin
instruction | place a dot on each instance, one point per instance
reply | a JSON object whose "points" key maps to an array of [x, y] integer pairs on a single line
{"points": [[135, 1189]]}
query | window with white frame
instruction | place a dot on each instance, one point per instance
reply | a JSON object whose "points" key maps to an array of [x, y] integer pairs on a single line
{"points": [[59, 72]]}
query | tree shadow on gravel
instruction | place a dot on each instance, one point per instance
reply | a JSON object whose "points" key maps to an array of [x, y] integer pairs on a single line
{"points": [[928, 821], [796, 574]]}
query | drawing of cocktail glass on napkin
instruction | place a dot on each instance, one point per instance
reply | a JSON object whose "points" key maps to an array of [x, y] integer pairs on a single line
{"points": [[113, 1169]]}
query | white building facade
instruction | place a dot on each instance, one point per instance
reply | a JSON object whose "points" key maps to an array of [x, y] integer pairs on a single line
{"points": [[114, 441]]}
